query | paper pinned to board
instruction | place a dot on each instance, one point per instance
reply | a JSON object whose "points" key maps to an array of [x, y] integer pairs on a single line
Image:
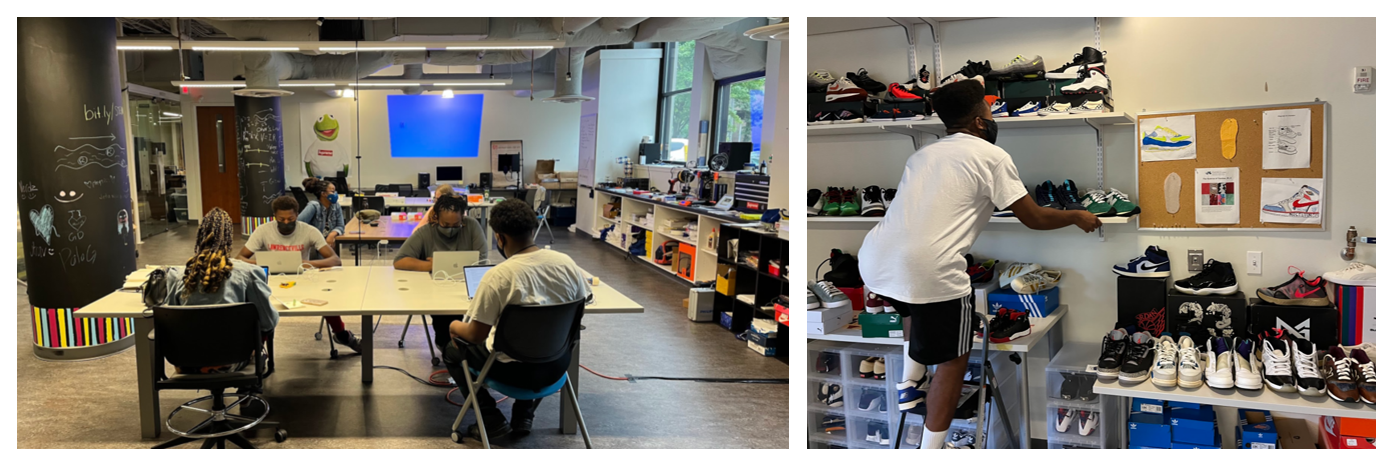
{"points": [[1292, 200], [1167, 138], [1286, 139], [1216, 195]]}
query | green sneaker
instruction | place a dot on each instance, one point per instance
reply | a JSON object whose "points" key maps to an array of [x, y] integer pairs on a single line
{"points": [[1121, 204], [1096, 202], [851, 203], [832, 202]]}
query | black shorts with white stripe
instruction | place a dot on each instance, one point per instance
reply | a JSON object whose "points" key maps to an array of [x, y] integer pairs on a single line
{"points": [[938, 332]]}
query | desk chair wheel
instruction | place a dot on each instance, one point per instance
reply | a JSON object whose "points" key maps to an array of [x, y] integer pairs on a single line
{"points": [[457, 437], [281, 435], [401, 344], [318, 336], [333, 354], [434, 361]]}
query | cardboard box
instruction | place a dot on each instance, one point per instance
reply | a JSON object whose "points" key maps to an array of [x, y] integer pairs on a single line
{"points": [[1256, 430], [1146, 410], [832, 324], [762, 350], [1331, 439], [1292, 434], [725, 279], [1207, 316], [920, 107], [1320, 325], [1356, 305], [1209, 444], [825, 314], [1141, 303], [1350, 427], [1038, 305], [884, 325], [857, 296]]}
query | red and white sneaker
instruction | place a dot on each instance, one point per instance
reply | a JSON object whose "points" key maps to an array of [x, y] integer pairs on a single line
{"points": [[899, 92], [874, 304], [843, 90]]}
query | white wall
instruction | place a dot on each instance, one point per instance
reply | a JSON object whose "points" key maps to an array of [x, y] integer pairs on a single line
{"points": [[774, 145], [1232, 62], [625, 86]]}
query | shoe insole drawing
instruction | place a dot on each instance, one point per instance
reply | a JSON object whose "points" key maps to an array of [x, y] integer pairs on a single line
{"points": [[1172, 193], [1228, 136]]}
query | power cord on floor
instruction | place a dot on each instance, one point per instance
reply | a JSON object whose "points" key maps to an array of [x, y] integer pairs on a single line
{"points": [[636, 378], [434, 382]]}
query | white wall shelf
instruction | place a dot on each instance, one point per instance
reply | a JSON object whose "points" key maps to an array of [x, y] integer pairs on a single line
{"points": [[933, 125], [1039, 327], [813, 222], [1276, 402]]}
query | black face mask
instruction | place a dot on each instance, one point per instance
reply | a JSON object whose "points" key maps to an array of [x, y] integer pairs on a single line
{"points": [[286, 228], [989, 134]]}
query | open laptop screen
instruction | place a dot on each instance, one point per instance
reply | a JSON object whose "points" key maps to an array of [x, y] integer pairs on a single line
{"points": [[473, 275]]}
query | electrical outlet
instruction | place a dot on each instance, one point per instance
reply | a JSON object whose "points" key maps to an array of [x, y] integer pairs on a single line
{"points": [[1254, 262], [1196, 260]]}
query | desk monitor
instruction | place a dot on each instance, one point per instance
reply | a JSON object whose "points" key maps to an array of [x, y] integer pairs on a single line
{"points": [[279, 261], [473, 275], [509, 163], [451, 262], [449, 174]]}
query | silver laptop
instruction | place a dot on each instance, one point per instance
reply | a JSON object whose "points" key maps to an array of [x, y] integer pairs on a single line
{"points": [[279, 261], [473, 276], [452, 262]]}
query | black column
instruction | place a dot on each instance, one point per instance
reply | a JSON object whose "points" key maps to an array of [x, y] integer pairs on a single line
{"points": [[74, 192], [260, 158]]}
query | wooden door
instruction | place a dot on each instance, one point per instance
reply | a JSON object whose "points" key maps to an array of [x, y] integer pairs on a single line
{"points": [[218, 170]]}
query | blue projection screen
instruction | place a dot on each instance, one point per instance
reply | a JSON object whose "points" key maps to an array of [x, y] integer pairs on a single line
{"points": [[433, 126]]}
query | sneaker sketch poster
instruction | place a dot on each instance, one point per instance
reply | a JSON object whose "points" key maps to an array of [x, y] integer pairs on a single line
{"points": [[1286, 139], [1216, 195], [1167, 138], [1292, 200]]}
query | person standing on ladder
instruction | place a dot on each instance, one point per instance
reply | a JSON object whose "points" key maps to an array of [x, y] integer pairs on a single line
{"points": [[914, 258]]}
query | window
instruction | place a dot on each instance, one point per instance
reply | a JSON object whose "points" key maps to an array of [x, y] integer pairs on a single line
{"points": [[675, 111], [740, 111]]}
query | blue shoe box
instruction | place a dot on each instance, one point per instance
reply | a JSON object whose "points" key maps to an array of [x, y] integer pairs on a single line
{"points": [[1193, 426], [1038, 305], [1215, 444], [1256, 429], [1148, 411], [1146, 434]]}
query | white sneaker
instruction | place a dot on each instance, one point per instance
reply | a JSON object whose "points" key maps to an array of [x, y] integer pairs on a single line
{"points": [[999, 109], [1356, 274], [1191, 376], [1016, 269], [1096, 82], [1088, 422], [1092, 106], [1247, 366], [1037, 281], [1308, 379], [1276, 361], [1163, 373], [1057, 108], [1218, 371], [1065, 418], [843, 90]]}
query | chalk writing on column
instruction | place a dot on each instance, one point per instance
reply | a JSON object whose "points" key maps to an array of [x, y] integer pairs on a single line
{"points": [[85, 155], [27, 191], [68, 197], [259, 126], [101, 112], [43, 223], [76, 220], [78, 254]]}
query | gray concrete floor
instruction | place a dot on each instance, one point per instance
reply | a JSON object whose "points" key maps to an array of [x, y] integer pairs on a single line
{"points": [[323, 404]]}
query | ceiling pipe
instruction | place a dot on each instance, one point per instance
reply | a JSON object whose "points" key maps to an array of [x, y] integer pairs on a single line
{"points": [[570, 26], [412, 72], [569, 66], [619, 24]]}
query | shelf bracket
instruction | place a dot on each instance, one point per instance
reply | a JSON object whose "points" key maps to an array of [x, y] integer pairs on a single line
{"points": [[908, 28], [1098, 133], [920, 138]]}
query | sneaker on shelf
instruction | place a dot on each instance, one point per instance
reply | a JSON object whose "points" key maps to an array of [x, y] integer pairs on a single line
{"points": [[911, 392], [1152, 263], [878, 372], [1218, 370], [813, 302], [819, 80], [889, 195], [1298, 291], [814, 202], [1216, 278], [971, 70], [1190, 374], [827, 362], [822, 118], [851, 202], [1030, 108], [1020, 67], [872, 204], [1355, 274], [1056, 108], [1045, 196], [1163, 371], [874, 304], [1090, 106], [833, 423], [1069, 388], [1369, 349], [914, 434], [999, 110], [1068, 195], [1247, 366], [885, 113], [1086, 388], [981, 272], [1016, 269], [1141, 353], [999, 319], [1093, 81], [863, 79], [998, 213], [843, 90], [1305, 203], [832, 202], [1037, 281], [1064, 419], [1096, 202], [1088, 422], [871, 400], [1120, 203], [961, 439], [1368, 379], [847, 117], [1114, 353], [882, 432], [924, 78], [867, 368], [830, 296], [834, 396], [1089, 58], [1341, 378], [1308, 379], [1017, 325], [899, 92]]}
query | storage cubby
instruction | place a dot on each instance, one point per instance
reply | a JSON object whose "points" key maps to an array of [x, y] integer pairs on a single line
{"points": [[748, 252], [1071, 365]]}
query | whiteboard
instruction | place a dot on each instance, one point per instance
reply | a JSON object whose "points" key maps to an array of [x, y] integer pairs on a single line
{"points": [[587, 149]]}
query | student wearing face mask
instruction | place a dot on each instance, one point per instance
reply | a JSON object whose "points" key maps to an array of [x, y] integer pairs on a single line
{"points": [[323, 211], [448, 230]]}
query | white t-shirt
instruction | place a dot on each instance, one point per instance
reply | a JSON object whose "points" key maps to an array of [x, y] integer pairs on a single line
{"points": [[537, 278], [945, 198], [304, 240]]}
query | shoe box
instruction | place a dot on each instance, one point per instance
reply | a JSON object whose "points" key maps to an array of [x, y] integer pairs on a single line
{"points": [[917, 107], [726, 319], [1218, 315], [1356, 305], [1293, 434], [817, 102], [763, 332], [725, 279], [856, 295], [1320, 325], [1193, 426], [1148, 425], [1256, 430], [1028, 89], [1038, 304], [1141, 303], [1347, 433], [824, 321], [883, 325]]}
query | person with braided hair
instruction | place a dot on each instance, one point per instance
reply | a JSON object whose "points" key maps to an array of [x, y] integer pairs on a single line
{"points": [[211, 276], [448, 230]]}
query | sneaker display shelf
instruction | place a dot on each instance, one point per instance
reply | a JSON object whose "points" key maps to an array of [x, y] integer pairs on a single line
{"points": [[871, 221], [1265, 399], [736, 243], [640, 215], [1072, 362], [1042, 329]]}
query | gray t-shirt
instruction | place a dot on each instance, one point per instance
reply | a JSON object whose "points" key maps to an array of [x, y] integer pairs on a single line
{"points": [[244, 285], [426, 240], [537, 278], [305, 239]]}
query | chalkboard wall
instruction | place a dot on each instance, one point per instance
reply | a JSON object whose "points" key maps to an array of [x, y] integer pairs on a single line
{"points": [[260, 153]]}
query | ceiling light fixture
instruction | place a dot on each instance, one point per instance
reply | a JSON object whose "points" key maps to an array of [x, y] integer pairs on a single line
{"points": [[145, 47], [501, 47], [469, 84], [372, 49], [386, 84], [191, 84], [449, 94], [348, 93], [171, 114], [244, 49]]}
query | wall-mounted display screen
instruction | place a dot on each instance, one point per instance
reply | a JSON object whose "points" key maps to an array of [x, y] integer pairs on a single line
{"points": [[429, 125]]}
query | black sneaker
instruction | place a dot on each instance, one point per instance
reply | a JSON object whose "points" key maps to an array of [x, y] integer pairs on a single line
{"points": [[346, 338], [1069, 196], [863, 80], [1089, 58], [1069, 389], [847, 116], [1045, 196], [1016, 325], [889, 195], [871, 203], [971, 70], [1002, 316], [1085, 388], [1113, 354], [1216, 278], [924, 79], [1276, 362], [1141, 352], [822, 118], [814, 202]]}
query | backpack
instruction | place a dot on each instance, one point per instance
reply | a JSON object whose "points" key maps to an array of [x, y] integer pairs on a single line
{"points": [[156, 289], [845, 272]]}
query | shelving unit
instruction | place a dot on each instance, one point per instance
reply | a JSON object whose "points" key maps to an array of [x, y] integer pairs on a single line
{"points": [[752, 280], [704, 256], [1073, 361], [814, 222], [1276, 402]]}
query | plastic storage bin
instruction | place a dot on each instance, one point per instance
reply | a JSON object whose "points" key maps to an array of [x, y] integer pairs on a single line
{"points": [[1069, 386], [883, 417]]}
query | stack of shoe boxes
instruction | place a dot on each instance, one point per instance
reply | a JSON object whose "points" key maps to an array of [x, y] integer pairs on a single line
{"points": [[1193, 426], [1038, 305], [1356, 305], [1080, 418], [1207, 316], [822, 321], [868, 412], [1319, 324], [1256, 430], [1141, 302], [1148, 426], [1347, 433]]}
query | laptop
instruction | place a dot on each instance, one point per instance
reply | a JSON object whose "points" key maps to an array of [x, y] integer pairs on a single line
{"points": [[279, 261], [451, 262], [473, 275]]}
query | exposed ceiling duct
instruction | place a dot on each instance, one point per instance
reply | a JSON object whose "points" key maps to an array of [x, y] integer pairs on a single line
{"points": [[570, 26], [679, 29], [568, 84], [619, 24]]}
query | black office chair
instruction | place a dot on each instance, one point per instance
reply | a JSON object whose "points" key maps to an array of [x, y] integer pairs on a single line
{"points": [[215, 335], [370, 202], [300, 196], [382, 188], [405, 190], [529, 335]]}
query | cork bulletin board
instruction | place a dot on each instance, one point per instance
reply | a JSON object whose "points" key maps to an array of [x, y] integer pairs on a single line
{"points": [[1248, 159]]}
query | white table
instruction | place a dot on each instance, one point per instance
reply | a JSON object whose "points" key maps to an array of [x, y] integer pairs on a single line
{"points": [[350, 291]]}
